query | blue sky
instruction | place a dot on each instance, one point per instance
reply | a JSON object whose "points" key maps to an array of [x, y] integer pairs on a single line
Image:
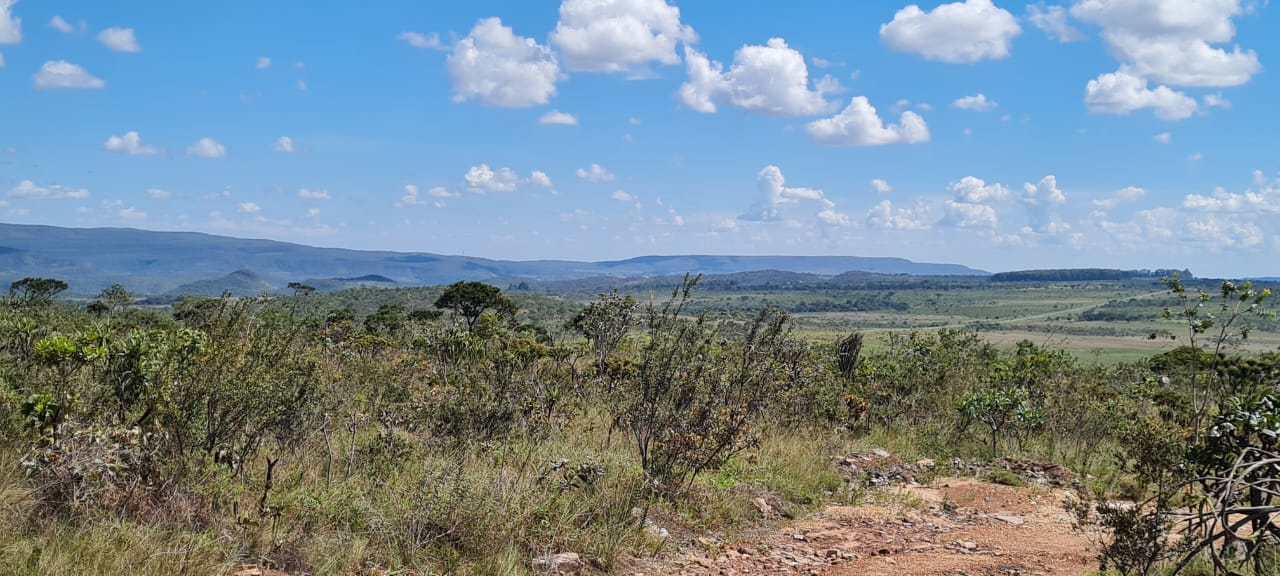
{"points": [[993, 133]]}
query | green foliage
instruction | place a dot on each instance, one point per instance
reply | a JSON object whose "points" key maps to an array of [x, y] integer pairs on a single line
{"points": [[604, 322], [35, 291], [472, 299], [998, 409]]}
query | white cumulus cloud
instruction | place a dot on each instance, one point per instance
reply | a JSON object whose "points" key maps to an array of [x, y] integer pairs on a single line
{"points": [[60, 24], [158, 194], [419, 40], [540, 178], [56, 74], [1172, 41], [622, 196], [974, 190], [130, 144], [1122, 93], [132, 213], [771, 79], [309, 194], [558, 118], [1163, 138], [29, 189], [498, 68], [960, 32], [596, 173], [10, 25], [859, 125], [618, 35], [968, 215], [119, 39], [881, 186], [776, 195], [883, 215], [1045, 191], [207, 148], [977, 103], [1052, 20], [283, 144], [482, 178]]}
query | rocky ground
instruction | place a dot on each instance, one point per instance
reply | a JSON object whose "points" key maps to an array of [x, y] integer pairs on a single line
{"points": [[910, 524], [952, 527]]}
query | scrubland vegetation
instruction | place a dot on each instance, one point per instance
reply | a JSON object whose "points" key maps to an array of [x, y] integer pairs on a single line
{"points": [[467, 430]]}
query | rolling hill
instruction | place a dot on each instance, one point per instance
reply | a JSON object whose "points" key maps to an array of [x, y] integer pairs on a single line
{"points": [[150, 262]]}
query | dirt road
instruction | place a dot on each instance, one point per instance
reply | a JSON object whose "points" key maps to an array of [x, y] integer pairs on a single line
{"points": [[954, 527]]}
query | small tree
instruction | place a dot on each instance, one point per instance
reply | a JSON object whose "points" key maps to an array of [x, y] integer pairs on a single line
{"points": [[604, 323], [471, 299], [998, 408], [36, 291]]}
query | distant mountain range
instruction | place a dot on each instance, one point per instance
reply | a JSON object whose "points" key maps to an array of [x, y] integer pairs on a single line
{"points": [[148, 262]]}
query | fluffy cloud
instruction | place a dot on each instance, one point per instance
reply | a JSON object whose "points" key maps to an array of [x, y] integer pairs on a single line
{"points": [[1170, 41], [540, 178], [771, 79], [1045, 191], [1163, 138], [283, 144], [207, 148], [618, 35], [885, 216], [1122, 93], [158, 194], [10, 25], [130, 144], [249, 208], [1052, 20], [595, 173], [484, 179], [29, 189], [1124, 195], [976, 103], [498, 68], [1216, 101], [132, 213], [622, 196], [62, 74], [971, 190], [61, 25], [1264, 201], [1226, 233], [960, 32], [881, 186], [859, 125], [968, 215], [776, 194], [308, 194], [119, 39], [558, 118], [425, 41]]}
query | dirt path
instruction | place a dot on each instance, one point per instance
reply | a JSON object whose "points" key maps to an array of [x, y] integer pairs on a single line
{"points": [[954, 527]]}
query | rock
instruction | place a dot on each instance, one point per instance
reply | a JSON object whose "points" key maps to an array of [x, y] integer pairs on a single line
{"points": [[966, 545], [1011, 520], [880, 453], [925, 463], [558, 563], [765, 509], [653, 529]]}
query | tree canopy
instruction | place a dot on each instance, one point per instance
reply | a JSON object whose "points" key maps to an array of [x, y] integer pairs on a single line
{"points": [[472, 299]]}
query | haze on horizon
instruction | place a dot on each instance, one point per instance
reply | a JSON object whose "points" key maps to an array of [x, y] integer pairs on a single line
{"points": [[996, 134]]}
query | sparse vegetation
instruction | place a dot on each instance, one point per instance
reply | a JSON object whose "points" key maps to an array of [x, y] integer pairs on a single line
{"points": [[466, 430]]}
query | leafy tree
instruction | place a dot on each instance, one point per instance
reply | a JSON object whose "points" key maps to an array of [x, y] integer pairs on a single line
{"points": [[998, 408], [36, 291], [388, 320], [111, 301], [300, 289], [604, 323], [471, 299]]}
